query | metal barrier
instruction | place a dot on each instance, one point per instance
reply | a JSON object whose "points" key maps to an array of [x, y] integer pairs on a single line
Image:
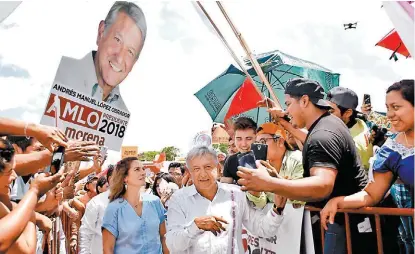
{"points": [[376, 211]]}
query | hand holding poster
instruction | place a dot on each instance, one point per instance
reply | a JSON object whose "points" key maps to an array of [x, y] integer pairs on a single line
{"points": [[91, 106]]}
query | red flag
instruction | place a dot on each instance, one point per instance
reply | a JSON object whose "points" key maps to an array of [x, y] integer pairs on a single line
{"points": [[246, 98], [394, 42]]}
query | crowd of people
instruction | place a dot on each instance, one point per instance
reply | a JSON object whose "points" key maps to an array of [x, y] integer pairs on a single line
{"points": [[321, 151], [205, 205]]}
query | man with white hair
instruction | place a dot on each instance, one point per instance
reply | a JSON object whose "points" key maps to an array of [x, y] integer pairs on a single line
{"points": [[120, 40], [208, 216]]}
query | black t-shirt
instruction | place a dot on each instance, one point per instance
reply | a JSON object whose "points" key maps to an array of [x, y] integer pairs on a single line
{"points": [[231, 167], [329, 144]]}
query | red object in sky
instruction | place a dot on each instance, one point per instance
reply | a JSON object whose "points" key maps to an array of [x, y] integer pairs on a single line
{"points": [[246, 98], [393, 41]]}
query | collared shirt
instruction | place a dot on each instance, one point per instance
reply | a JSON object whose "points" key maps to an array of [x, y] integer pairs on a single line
{"points": [[230, 203], [80, 75], [292, 167], [398, 159], [90, 232], [360, 135], [133, 233]]}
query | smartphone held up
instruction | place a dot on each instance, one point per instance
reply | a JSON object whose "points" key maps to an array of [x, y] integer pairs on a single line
{"points": [[258, 152], [58, 158]]}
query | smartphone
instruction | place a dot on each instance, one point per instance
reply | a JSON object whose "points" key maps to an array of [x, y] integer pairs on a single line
{"points": [[57, 160], [247, 160], [366, 99], [103, 150], [286, 118], [260, 151]]}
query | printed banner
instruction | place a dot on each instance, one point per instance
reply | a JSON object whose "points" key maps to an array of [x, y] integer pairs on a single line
{"points": [[84, 118], [288, 239], [84, 114]]}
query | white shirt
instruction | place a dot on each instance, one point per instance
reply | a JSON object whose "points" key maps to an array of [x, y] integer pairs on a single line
{"points": [[183, 236], [19, 189], [90, 232]]}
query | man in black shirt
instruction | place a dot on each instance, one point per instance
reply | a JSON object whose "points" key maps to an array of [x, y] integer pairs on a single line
{"points": [[245, 133], [330, 160]]}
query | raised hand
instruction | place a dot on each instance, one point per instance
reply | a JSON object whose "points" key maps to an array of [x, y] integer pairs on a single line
{"points": [[48, 136], [267, 103], [81, 151], [254, 179], [45, 182]]}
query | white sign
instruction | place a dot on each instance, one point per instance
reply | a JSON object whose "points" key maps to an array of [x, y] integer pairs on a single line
{"points": [[308, 233], [82, 116], [288, 239], [202, 139]]}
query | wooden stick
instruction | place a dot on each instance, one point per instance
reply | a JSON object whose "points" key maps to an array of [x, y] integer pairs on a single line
{"points": [[228, 47], [251, 57]]}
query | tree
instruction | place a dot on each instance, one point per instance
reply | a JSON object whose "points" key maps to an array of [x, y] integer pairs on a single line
{"points": [[148, 156], [222, 147], [171, 152]]}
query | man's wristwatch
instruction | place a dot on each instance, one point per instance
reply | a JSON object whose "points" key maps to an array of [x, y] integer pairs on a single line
{"points": [[278, 210]]}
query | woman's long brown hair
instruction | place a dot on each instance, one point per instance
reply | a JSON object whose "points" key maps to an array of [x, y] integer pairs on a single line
{"points": [[117, 188]]}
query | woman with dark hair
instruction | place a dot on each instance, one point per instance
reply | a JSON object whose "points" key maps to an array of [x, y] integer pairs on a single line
{"points": [[393, 162], [134, 222], [102, 185]]}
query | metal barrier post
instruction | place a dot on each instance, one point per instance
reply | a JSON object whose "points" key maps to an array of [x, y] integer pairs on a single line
{"points": [[54, 248], [379, 234], [376, 211], [348, 235]]}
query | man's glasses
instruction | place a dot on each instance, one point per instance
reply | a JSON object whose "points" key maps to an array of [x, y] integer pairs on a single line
{"points": [[264, 140]]}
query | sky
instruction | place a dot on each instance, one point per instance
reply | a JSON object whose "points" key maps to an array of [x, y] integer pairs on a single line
{"points": [[182, 54]]}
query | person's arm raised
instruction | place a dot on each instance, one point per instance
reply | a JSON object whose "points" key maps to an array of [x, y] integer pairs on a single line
{"points": [[14, 223], [46, 135], [27, 164], [316, 187]]}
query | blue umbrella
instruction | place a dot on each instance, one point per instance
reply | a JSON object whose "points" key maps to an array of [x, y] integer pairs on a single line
{"points": [[219, 94]]}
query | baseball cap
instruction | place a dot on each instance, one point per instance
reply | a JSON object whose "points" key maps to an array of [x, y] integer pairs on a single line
{"points": [[90, 179], [272, 129], [343, 97], [311, 88]]}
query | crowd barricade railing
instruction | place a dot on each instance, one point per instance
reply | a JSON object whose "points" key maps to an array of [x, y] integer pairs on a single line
{"points": [[66, 229], [376, 211]]}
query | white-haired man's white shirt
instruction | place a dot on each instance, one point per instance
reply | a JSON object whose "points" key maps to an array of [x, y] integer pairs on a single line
{"points": [[230, 203], [90, 232]]}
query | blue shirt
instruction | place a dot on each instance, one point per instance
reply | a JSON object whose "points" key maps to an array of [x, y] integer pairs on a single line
{"points": [[135, 234], [396, 158]]}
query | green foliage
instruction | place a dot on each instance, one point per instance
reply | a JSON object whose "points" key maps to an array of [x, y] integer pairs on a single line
{"points": [[148, 156], [171, 152], [222, 147]]}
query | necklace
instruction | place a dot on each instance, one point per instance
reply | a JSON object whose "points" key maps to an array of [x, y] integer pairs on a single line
{"points": [[406, 139]]}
